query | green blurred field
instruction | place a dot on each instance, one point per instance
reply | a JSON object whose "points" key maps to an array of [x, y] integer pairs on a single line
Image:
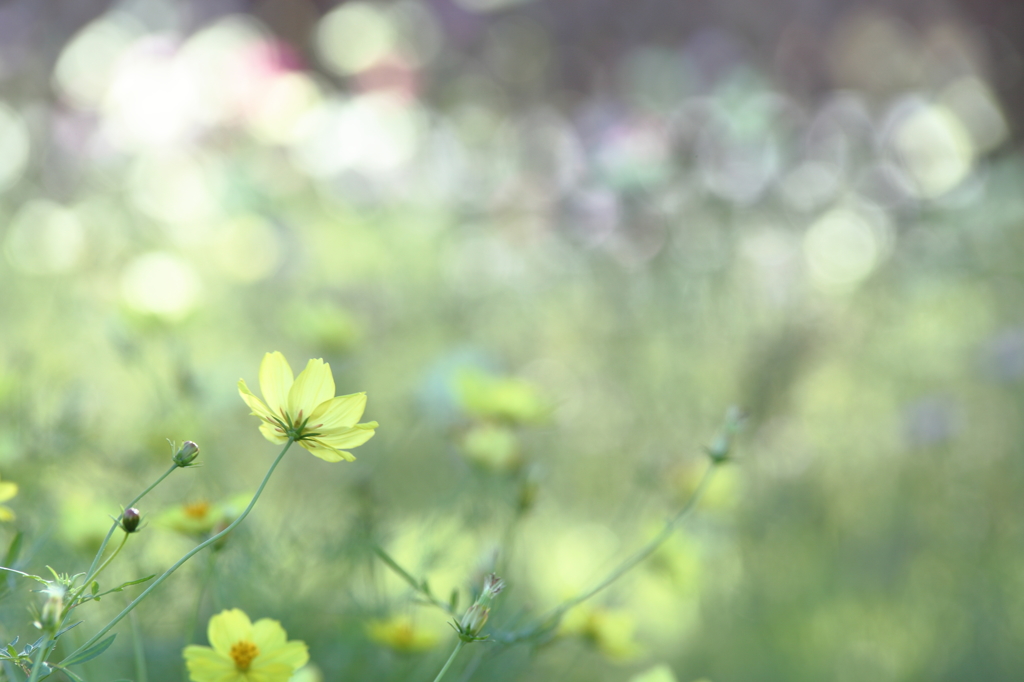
{"points": [[845, 267]]}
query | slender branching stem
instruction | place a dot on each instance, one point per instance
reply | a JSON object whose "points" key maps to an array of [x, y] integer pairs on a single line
{"points": [[91, 573], [200, 547], [448, 663], [552, 618]]}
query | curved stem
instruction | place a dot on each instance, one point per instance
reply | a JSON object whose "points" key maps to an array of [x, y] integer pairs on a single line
{"points": [[91, 573], [644, 551], [448, 663], [109, 559], [166, 574], [550, 620], [38, 663]]}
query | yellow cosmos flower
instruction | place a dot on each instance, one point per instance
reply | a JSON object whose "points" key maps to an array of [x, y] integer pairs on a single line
{"points": [[305, 409], [7, 491], [243, 651]]}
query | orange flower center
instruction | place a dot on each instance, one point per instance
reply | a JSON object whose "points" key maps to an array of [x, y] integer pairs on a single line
{"points": [[242, 653], [197, 510]]}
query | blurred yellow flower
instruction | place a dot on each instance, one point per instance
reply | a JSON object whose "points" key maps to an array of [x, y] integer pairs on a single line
{"points": [[659, 673], [609, 630], [200, 517], [401, 634], [243, 651], [305, 409], [7, 491], [493, 446]]}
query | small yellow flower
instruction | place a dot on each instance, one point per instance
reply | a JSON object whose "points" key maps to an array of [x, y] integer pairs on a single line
{"points": [[200, 517], [401, 634], [243, 651], [305, 409], [7, 491]]}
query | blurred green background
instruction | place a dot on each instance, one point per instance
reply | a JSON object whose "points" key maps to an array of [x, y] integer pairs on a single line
{"points": [[553, 242]]}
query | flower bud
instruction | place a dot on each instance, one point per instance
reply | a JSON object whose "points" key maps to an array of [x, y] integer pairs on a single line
{"points": [[130, 520], [53, 610], [473, 621], [493, 585], [186, 454]]}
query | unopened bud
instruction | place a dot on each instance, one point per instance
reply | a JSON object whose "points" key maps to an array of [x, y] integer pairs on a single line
{"points": [[473, 621], [130, 520], [53, 610], [186, 454], [493, 585]]}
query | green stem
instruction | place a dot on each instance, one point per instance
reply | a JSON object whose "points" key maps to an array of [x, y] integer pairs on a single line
{"points": [[38, 663], [91, 573], [156, 583], [405, 575], [109, 559], [138, 651], [641, 553], [550, 620], [448, 663]]}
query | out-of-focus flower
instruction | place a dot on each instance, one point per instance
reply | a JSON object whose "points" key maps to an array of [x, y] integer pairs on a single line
{"points": [[609, 630], [494, 446], [402, 634], [506, 399], [7, 491], [201, 517], [659, 673], [243, 651], [305, 409]]}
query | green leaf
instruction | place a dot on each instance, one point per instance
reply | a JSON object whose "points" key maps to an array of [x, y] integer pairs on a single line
{"points": [[14, 549], [68, 628], [95, 587], [90, 653], [453, 601], [136, 582]]}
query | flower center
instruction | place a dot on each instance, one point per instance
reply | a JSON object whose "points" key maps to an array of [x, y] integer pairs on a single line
{"points": [[197, 510], [242, 653]]}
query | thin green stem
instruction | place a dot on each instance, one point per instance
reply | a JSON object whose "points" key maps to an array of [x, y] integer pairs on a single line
{"points": [[166, 574], [644, 551], [91, 573], [551, 620], [138, 651], [448, 663], [108, 560], [405, 575], [38, 663]]}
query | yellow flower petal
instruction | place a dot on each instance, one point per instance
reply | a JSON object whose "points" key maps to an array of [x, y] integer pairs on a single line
{"points": [[267, 634], [6, 514], [313, 386], [258, 407], [341, 412], [325, 453], [228, 627], [206, 665], [276, 379], [8, 490], [268, 672], [293, 654], [347, 438]]}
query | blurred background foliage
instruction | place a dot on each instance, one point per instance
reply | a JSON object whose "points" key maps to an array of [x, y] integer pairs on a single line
{"points": [[553, 241]]}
